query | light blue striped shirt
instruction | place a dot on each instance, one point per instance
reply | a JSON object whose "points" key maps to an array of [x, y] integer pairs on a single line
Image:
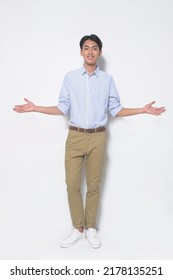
{"points": [[89, 98]]}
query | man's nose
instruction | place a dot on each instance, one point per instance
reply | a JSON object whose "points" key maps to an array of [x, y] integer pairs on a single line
{"points": [[90, 50]]}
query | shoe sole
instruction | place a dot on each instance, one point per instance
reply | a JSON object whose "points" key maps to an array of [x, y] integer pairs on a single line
{"points": [[72, 244]]}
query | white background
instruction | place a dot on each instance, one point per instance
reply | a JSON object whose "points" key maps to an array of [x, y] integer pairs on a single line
{"points": [[39, 43]]}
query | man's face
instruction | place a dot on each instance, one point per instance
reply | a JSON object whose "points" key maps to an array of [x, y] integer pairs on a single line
{"points": [[90, 52]]}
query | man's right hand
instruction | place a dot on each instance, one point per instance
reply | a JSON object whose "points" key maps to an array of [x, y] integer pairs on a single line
{"points": [[28, 107]]}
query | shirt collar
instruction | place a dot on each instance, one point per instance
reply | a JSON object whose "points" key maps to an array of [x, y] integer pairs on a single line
{"points": [[96, 71]]}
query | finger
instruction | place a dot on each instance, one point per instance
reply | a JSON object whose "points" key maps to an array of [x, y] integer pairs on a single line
{"points": [[151, 103], [16, 106], [162, 108], [18, 110], [159, 111], [27, 100]]}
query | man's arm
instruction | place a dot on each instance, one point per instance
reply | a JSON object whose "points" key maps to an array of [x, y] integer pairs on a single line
{"points": [[31, 107], [147, 109]]}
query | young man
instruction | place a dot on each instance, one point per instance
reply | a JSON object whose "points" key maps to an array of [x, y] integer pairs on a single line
{"points": [[89, 94]]}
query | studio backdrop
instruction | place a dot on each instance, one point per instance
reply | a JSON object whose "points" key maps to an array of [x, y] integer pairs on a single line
{"points": [[39, 44]]}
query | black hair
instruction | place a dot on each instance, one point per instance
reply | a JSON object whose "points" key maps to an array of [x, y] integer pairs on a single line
{"points": [[91, 37]]}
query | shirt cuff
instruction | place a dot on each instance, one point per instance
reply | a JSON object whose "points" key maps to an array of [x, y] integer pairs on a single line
{"points": [[115, 111], [63, 109]]}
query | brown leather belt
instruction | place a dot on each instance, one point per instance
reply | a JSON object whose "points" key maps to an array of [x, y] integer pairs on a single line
{"points": [[87, 130]]}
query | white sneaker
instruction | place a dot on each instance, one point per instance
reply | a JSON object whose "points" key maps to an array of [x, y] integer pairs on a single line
{"points": [[74, 237], [93, 238]]}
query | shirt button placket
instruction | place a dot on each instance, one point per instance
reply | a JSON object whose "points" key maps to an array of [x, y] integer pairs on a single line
{"points": [[87, 101]]}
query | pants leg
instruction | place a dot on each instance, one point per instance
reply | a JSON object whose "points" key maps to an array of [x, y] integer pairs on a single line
{"points": [[74, 157], [94, 165]]}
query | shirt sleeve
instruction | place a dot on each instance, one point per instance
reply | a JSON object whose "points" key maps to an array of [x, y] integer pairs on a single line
{"points": [[64, 97], [114, 105]]}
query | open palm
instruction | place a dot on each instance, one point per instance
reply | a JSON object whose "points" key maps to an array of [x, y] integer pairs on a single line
{"points": [[149, 109], [27, 107]]}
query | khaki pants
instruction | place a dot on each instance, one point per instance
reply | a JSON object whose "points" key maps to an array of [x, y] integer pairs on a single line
{"points": [[80, 147]]}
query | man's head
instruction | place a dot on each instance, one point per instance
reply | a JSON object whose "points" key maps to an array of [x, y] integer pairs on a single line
{"points": [[91, 49], [91, 37]]}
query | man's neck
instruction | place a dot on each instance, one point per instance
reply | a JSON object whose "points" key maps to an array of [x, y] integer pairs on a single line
{"points": [[90, 68]]}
